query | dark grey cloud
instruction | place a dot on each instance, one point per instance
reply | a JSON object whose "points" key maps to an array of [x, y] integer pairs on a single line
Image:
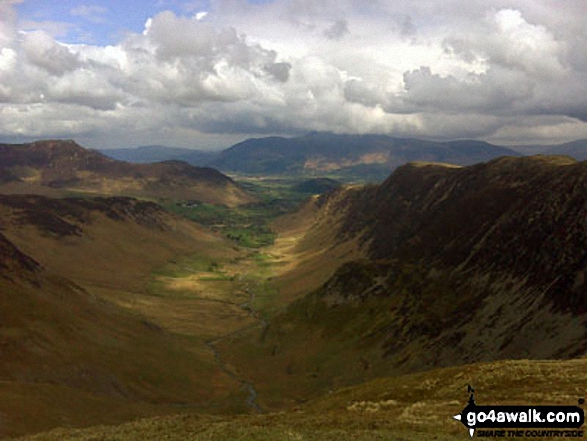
{"points": [[279, 71], [407, 28], [356, 91], [337, 30]]}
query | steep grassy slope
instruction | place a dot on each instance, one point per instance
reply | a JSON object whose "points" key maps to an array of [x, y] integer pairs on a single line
{"points": [[106, 242], [460, 265], [54, 167], [308, 250], [80, 341], [71, 359]]}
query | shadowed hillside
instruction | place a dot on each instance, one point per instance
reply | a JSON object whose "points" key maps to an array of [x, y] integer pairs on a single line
{"points": [[461, 264], [54, 167]]}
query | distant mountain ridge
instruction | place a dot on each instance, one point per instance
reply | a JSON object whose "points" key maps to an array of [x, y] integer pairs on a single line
{"points": [[575, 149], [349, 155], [50, 167], [159, 153]]}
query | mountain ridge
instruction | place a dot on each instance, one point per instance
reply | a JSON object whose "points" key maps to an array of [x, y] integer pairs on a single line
{"points": [[159, 153], [53, 166], [459, 265], [350, 156], [326, 152]]}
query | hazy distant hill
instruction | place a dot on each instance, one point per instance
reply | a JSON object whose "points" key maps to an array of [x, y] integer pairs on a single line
{"points": [[575, 149], [158, 153], [459, 265], [52, 167], [355, 157], [351, 156]]}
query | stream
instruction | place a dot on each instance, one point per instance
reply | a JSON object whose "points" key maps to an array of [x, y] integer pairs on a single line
{"points": [[249, 306], [253, 394]]}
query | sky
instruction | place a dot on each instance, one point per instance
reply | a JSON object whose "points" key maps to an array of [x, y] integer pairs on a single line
{"points": [[209, 73]]}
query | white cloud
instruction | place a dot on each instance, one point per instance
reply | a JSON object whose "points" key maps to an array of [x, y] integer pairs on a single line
{"points": [[201, 15], [88, 11], [56, 29], [497, 91], [92, 13], [43, 51], [7, 59], [418, 68]]}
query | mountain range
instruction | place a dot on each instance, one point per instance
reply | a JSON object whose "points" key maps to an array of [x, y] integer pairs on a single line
{"points": [[160, 153], [575, 149], [348, 155], [351, 157], [57, 167]]}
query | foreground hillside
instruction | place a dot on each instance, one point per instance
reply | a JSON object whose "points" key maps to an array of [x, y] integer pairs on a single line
{"points": [[83, 338], [58, 167], [417, 407], [456, 265]]}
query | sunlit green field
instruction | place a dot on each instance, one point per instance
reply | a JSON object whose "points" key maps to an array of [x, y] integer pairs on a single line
{"points": [[246, 225]]}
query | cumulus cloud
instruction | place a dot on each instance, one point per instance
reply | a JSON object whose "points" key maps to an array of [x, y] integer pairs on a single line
{"points": [[497, 90], [362, 92], [42, 51], [529, 65], [419, 68]]}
